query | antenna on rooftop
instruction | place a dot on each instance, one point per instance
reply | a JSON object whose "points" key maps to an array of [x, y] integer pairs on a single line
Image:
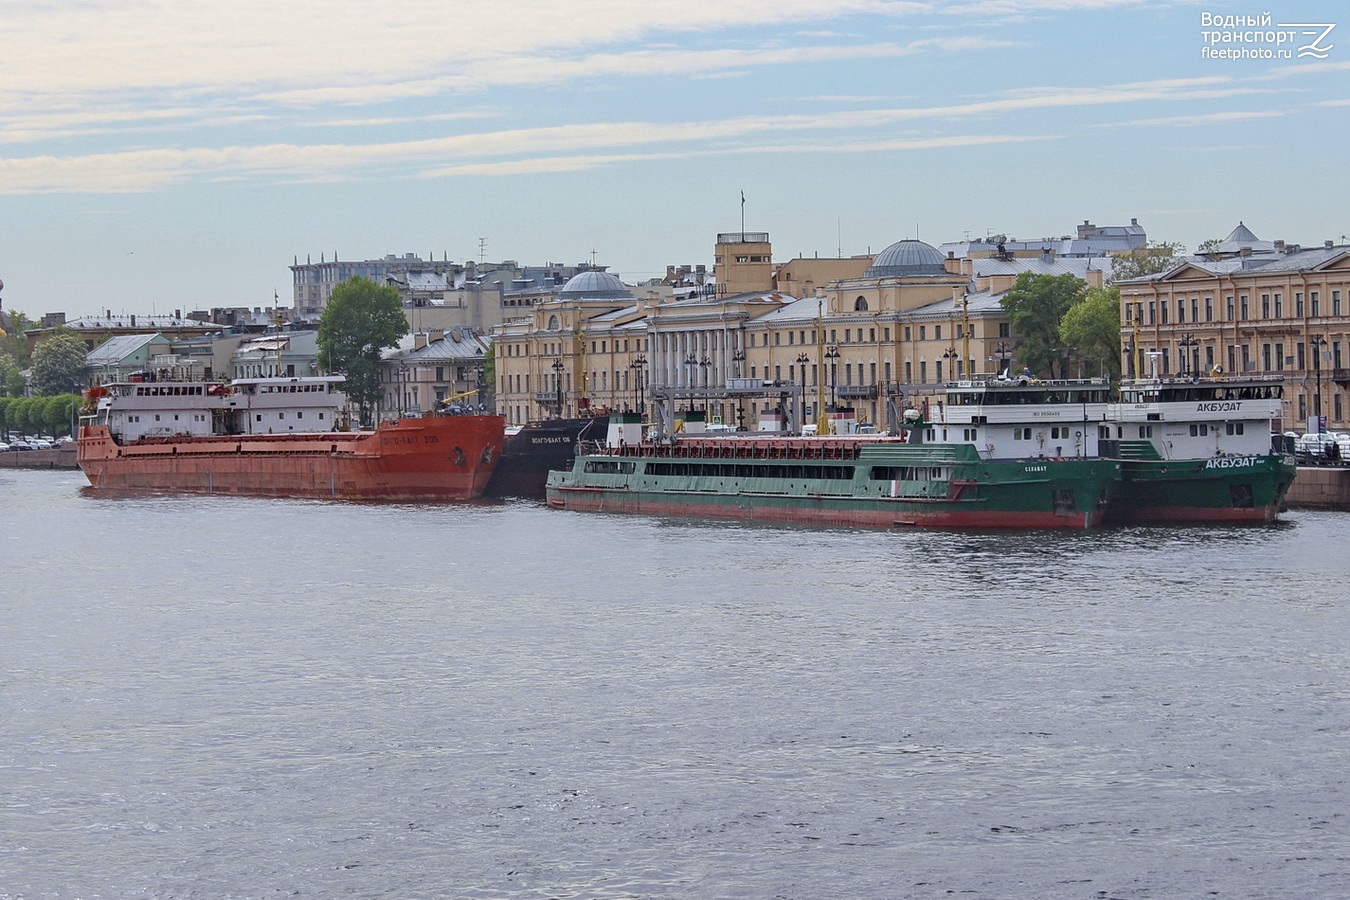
{"points": [[482, 249]]}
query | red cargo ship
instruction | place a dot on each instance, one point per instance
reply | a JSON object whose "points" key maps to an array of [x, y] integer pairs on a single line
{"points": [[278, 437]]}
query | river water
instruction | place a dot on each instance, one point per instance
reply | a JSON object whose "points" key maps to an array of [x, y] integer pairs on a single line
{"points": [[223, 697]]}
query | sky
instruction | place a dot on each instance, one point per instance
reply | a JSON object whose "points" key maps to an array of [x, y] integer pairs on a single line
{"points": [[159, 156]]}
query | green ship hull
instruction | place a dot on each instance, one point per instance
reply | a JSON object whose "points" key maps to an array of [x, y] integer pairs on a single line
{"points": [[1221, 489]]}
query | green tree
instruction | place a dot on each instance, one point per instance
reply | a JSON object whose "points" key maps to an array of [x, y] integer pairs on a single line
{"points": [[6, 417], [57, 412], [361, 320], [1036, 304], [1092, 328], [58, 364], [490, 376], [20, 415], [14, 345], [11, 378], [1209, 248], [1152, 258]]}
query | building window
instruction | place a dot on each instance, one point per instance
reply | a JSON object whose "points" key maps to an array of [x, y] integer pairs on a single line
{"points": [[860, 305], [1246, 312], [1265, 306], [937, 335], [1228, 304], [1298, 303], [1314, 302], [1279, 306]]}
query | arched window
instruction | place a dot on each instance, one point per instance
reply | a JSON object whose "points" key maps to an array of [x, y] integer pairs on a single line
{"points": [[860, 305], [552, 323]]}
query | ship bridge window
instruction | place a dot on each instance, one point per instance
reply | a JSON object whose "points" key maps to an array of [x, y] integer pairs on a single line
{"points": [[1233, 428], [1199, 430], [610, 466]]}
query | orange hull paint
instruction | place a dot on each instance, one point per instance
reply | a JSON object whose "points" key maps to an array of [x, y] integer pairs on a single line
{"points": [[434, 458]]}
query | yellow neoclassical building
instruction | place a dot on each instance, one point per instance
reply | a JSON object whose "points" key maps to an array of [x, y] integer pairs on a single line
{"points": [[872, 337]]}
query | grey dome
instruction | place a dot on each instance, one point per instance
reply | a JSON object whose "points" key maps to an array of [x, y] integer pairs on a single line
{"points": [[907, 258], [595, 286]]}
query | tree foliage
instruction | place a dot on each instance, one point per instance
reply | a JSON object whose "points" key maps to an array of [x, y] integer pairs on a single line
{"points": [[490, 376], [1092, 328], [11, 377], [1152, 258], [58, 364], [361, 320], [1036, 304], [33, 415]]}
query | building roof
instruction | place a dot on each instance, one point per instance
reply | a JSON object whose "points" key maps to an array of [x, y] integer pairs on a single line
{"points": [[148, 323], [115, 349], [458, 345], [1295, 261], [907, 257], [1039, 265]]}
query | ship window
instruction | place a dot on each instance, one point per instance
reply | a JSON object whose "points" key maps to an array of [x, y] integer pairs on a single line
{"points": [[259, 417], [1199, 430], [156, 417], [299, 415], [1146, 431]]}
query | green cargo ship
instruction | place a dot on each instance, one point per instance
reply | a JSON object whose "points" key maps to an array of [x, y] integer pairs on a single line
{"points": [[874, 482]]}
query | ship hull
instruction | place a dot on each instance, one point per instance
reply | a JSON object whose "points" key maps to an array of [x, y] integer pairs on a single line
{"points": [[835, 491], [1248, 489], [539, 448], [433, 458]]}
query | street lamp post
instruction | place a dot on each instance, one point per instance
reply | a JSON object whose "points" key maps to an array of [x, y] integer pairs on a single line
{"points": [[402, 389], [1187, 343], [557, 385], [802, 360], [690, 364], [1001, 352], [950, 355], [832, 354], [703, 364], [639, 366], [1317, 344], [737, 359]]}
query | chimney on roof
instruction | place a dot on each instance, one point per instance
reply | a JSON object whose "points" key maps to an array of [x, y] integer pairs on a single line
{"points": [[133, 321], [1047, 255], [1328, 244]]}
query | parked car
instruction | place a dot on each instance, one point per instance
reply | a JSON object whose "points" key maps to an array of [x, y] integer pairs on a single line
{"points": [[3, 446], [1313, 444]]}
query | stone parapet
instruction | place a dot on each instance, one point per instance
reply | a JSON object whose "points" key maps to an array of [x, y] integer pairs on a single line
{"points": [[1320, 488]]}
